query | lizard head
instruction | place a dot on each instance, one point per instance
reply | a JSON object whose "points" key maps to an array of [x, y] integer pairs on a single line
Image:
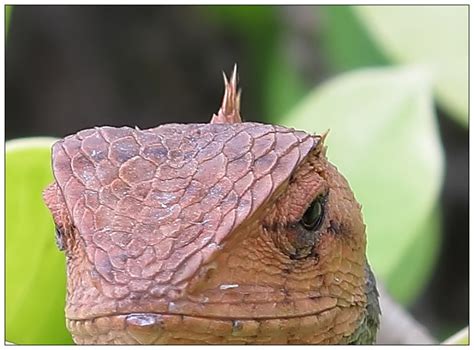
{"points": [[219, 232]]}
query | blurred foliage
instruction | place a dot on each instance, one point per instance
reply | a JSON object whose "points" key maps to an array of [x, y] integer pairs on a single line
{"points": [[414, 266], [259, 28], [262, 30], [384, 139], [35, 269], [460, 338], [344, 40], [284, 86], [259, 24], [434, 36], [8, 13]]}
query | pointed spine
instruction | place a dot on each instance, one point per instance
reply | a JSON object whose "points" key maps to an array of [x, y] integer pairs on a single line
{"points": [[229, 111]]}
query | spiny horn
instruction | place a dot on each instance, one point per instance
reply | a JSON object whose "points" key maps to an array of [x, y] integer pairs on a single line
{"points": [[230, 109]]}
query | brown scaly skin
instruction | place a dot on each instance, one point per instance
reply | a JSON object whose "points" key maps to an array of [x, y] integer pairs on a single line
{"points": [[199, 233]]}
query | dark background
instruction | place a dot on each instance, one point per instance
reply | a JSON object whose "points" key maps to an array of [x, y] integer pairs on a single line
{"points": [[69, 68]]}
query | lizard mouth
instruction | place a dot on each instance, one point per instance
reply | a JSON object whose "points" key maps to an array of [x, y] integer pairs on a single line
{"points": [[158, 328]]}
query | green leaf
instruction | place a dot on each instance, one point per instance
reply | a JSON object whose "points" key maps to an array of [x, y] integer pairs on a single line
{"points": [[435, 36], [460, 338], [256, 22], [284, 85], [345, 41], [35, 268], [384, 139], [429, 237], [8, 13]]}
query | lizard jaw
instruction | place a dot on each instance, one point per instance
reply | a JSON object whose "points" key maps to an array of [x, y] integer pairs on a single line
{"points": [[157, 328]]}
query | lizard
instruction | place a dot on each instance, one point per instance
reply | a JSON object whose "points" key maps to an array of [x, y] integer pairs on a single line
{"points": [[213, 233]]}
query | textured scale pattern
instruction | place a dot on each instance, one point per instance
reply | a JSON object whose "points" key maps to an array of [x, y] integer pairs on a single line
{"points": [[166, 329], [111, 176], [193, 233]]}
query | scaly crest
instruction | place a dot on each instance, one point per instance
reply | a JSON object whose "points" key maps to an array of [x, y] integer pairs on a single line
{"points": [[229, 113]]}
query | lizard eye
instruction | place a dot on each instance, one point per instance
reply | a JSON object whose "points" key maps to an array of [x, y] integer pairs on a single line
{"points": [[313, 217]]}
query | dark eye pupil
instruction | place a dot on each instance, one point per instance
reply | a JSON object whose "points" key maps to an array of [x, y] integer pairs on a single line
{"points": [[313, 216]]}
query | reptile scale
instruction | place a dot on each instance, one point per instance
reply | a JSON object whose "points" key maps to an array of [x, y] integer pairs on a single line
{"points": [[226, 232]]}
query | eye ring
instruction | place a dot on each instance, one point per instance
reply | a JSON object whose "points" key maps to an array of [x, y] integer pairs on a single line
{"points": [[313, 216]]}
